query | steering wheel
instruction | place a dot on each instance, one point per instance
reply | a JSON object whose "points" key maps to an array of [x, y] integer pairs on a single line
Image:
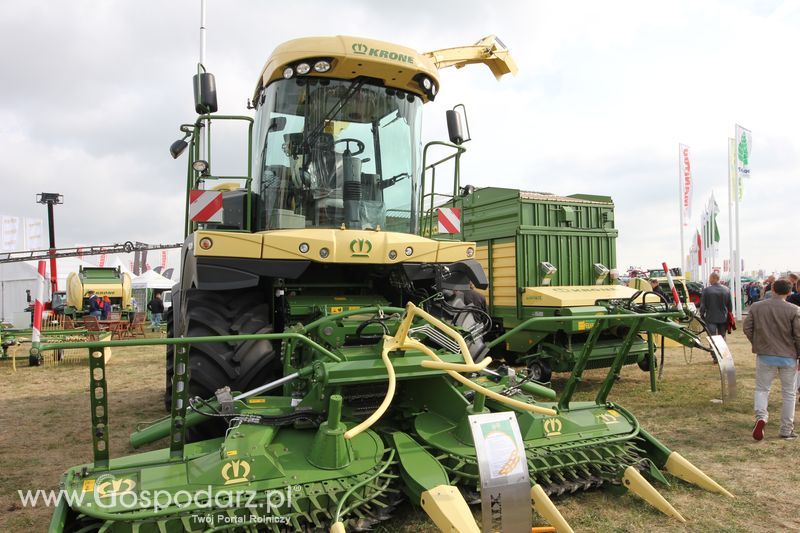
{"points": [[361, 146]]}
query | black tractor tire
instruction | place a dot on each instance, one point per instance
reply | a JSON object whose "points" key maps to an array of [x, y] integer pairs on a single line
{"points": [[539, 370], [239, 365]]}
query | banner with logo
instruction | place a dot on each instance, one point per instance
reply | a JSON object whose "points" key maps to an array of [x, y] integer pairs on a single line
{"points": [[34, 234], [744, 146], [686, 184], [11, 233]]}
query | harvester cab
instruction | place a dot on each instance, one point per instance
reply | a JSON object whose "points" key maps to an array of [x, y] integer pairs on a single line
{"points": [[324, 355]]}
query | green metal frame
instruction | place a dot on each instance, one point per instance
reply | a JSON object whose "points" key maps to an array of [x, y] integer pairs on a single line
{"points": [[426, 217], [193, 178], [340, 370], [98, 390]]}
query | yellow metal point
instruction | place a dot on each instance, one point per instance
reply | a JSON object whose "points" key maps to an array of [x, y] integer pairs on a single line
{"points": [[448, 510], [683, 469], [544, 506], [637, 484]]}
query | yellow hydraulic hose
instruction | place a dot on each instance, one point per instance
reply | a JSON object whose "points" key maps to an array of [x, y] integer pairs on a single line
{"points": [[401, 341], [411, 343], [389, 344]]}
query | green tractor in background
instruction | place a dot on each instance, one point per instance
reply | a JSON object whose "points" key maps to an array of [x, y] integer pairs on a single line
{"points": [[323, 347]]}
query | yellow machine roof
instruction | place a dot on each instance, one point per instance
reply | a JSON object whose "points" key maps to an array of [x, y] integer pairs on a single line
{"points": [[352, 57], [576, 296]]}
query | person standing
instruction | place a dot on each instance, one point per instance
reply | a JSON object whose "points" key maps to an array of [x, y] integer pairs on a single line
{"points": [[715, 304], [156, 308], [794, 298], [766, 292], [106, 308], [773, 329], [655, 287], [94, 305]]}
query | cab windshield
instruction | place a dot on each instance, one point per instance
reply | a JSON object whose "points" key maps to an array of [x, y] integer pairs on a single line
{"points": [[333, 152]]}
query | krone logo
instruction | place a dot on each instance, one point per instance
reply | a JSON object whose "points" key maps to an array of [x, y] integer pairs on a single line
{"points": [[360, 247], [359, 48], [115, 487], [552, 427], [235, 471], [607, 418]]}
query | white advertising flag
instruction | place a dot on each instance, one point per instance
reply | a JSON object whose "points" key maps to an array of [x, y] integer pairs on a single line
{"points": [[10, 234], [686, 184], [34, 234], [744, 147]]}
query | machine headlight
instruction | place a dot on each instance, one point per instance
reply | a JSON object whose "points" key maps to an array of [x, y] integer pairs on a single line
{"points": [[470, 251], [288, 72], [200, 165], [426, 84], [303, 68], [324, 253], [409, 251], [322, 66], [303, 248], [392, 255], [206, 243]]}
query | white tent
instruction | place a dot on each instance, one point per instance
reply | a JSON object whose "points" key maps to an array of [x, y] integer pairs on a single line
{"points": [[152, 280], [15, 278], [115, 262], [146, 285]]}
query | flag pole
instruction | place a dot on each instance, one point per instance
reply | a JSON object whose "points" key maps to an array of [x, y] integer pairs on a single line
{"points": [[731, 270], [680, 205], [737, 267]]}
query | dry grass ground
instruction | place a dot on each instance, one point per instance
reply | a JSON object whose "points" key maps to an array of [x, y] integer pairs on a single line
{"points": [[45, 424]]}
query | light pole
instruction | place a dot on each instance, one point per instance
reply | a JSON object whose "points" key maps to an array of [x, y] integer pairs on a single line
{"points": [[51, 199]]}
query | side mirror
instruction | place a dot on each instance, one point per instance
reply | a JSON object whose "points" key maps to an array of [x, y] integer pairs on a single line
{"points": [[205, 93], [177, 148], [454, 129], [277, 124]]}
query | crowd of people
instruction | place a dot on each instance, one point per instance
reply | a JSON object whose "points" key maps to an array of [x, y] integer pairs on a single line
{"points": [[756, 291], [100, 307], [772, 325]]}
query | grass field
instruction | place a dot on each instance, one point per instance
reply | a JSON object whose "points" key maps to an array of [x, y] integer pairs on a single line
{"points": [[44, 416]]}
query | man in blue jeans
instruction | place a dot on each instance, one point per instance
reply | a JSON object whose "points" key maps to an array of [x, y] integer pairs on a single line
{"points": [[156, 308], [773, 328]]}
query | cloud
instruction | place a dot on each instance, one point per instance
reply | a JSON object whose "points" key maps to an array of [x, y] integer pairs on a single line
{"points": [[94, 93]]}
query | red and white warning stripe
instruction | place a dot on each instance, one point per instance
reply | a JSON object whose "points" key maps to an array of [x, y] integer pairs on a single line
{"points": [[449, 219], [677, 300], [205, 206], [38, 308]]}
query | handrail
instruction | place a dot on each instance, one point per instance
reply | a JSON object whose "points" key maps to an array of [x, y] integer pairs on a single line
{"points": [[192, 177], [539, 319], [183, 341], [459, 150]]}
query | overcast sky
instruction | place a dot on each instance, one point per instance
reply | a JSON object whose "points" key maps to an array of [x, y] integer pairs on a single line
{"points": [[93, 93]]}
